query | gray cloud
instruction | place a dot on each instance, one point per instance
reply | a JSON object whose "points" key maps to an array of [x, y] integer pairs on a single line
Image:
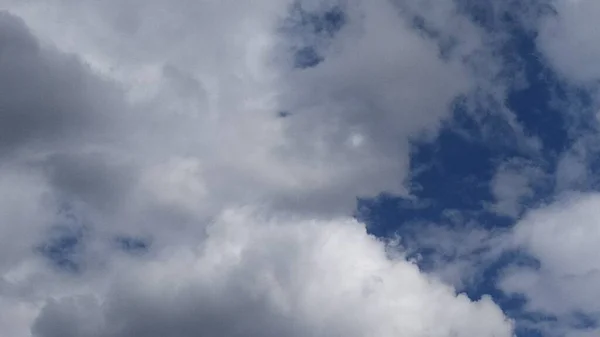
{"points": [[255, 276], [159, 119], [46, 99], [93, 179], [381, 83]]}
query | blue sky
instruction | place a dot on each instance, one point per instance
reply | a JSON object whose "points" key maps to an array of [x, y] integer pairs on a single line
{"points": [[299, 168], [455, 170]]}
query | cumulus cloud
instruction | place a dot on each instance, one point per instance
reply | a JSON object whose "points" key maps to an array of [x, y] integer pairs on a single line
{"points": [[223, 81], [563, 237], [255, 276], [160, 120], [568, 41]]}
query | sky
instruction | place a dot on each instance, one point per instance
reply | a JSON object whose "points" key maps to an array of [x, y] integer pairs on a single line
{"points": [[299, 168]]}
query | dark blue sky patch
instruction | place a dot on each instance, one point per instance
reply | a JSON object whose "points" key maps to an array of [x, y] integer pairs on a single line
{"points": [[536, 104], [307, 57], [446, 44], [310, 24], [454, 171], [494, 17], [132, 245], [309, 33], [451, 175], [283, 114], [63, 248], [385, 214], [527, 332], [533, 104]]}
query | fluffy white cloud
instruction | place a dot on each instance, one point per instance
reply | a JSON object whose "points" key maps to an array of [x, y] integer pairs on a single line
{"points": [[273, 277], [568, 39], [564, 238]]}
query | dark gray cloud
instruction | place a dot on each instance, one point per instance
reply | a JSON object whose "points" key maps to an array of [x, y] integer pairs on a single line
{"points": [[93, 179], [46, 97]]}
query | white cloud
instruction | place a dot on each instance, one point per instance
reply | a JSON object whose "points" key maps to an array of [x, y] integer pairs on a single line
{"points": [[274, 277], [564, 238], [569, 41]]}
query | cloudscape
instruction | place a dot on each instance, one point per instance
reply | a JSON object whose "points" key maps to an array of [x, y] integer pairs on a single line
{"points": [[299, 168]]}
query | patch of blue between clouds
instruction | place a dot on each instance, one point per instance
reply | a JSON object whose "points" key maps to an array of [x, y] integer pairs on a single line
{"points": [[451, 175], [310, 32], [65, 245], [61, 250], [283, 114], [132, 245]]}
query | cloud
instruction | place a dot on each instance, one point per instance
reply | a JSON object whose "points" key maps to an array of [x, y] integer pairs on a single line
{"points": [[47, 98], [199, 81], [568, 41], [513, 185], [563, 237], [273, 277], [160, 120], [562, 234]]}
